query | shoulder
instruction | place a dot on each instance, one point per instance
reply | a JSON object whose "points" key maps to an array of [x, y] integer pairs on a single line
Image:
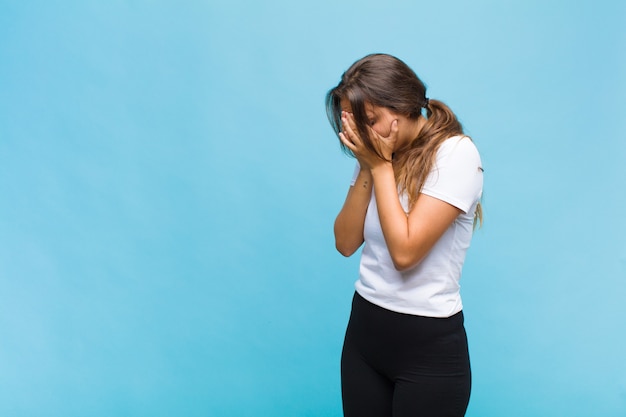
{"points": [[458, 144], [457, 175], [458, 150]]}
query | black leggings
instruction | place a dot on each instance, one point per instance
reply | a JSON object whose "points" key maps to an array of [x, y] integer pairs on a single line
{"points": [[401, 365]]}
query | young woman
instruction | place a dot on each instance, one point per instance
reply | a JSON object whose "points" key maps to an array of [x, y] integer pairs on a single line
{"points": [[413, 201]]}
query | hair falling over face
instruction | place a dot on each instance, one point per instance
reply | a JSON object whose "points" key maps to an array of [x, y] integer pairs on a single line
{"points": [[386, 81]]}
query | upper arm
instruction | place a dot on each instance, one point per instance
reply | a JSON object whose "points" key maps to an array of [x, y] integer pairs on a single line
{"points": [[451, 189], [453, 185], [427, 222]]}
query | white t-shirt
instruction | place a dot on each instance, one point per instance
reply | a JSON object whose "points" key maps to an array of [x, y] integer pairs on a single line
{"points": [[431, 288]]}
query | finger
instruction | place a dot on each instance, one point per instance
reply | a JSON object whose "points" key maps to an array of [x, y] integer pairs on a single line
{"points": [[352, 122], [349, 131], [347, 119], [394, 128], [347, 142]]}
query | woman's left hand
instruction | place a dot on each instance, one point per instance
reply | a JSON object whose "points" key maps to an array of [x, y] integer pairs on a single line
{"points": [[367, 158]]}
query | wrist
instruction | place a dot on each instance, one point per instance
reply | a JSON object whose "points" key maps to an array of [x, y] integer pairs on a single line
{"points": [[383, 166]]}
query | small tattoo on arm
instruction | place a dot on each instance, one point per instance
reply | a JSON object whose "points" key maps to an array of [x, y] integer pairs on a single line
{"points": [[365, 184]]}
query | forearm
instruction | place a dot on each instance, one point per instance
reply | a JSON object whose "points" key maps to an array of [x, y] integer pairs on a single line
{"points": [[393, 219], [409, 237], [350, 220]]}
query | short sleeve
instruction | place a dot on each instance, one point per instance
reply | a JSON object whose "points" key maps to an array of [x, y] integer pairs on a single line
{"points": [[457, 177]]}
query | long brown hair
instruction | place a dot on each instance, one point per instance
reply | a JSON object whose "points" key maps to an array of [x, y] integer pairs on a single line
{"points": [[385, 81]]}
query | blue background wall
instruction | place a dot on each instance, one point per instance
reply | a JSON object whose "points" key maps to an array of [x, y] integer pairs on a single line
{"points": [[168, 183]]}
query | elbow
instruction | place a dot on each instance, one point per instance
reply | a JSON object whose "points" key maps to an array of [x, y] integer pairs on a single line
{"points": [[404, 262], [347, 245], [344, 249]]}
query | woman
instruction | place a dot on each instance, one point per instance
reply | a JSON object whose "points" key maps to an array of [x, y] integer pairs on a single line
{"points": [[413, 201]]}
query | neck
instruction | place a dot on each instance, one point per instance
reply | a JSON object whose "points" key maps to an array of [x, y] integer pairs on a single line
{"points": [[419, 125], [414, 131]]}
